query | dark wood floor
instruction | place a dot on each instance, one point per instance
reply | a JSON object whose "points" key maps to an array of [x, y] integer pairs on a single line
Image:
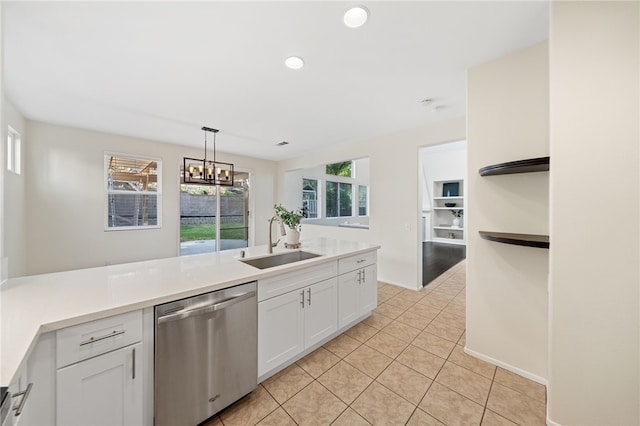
{"points": [[439, 257]]}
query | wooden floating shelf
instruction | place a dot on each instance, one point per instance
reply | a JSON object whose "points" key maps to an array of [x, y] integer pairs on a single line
{"points": [[527, 240], [521, 166]]}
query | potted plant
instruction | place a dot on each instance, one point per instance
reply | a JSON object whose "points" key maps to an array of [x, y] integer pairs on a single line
{"points": [[457, 214], [291, 218]]}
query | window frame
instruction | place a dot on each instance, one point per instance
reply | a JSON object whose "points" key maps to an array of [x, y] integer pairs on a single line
{"points": [[352, 169], [14, 154], [158, 193], [366, 200], [326, 198], [317, 199]]}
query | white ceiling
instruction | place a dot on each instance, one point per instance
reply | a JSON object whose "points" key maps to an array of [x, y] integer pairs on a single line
{"points": [[162, 70]]}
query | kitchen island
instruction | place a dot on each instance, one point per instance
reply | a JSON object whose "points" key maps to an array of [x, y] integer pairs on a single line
{"points": [[36, 305]]}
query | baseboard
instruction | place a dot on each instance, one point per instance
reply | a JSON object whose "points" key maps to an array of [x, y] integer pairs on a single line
{"points": [[399, 285], [506, 366], [551, 422]]}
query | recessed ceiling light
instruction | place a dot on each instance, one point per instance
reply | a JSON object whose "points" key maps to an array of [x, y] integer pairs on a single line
{"points": [[356, 16], [294, 62]]}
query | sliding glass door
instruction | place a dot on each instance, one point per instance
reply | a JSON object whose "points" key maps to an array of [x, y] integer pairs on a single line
{"points": [[214, 218]]}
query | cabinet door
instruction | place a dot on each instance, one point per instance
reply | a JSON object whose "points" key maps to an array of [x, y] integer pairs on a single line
{"points": [[320, 313], [348, 295], [280, 329], [39, 407], [368, 297], [105, 390]]}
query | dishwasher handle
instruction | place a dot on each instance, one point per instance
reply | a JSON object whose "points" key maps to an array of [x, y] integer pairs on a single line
{"points": [[206, 309]]}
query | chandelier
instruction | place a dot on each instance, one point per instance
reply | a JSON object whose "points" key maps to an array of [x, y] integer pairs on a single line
{"points": [[207, 172]]}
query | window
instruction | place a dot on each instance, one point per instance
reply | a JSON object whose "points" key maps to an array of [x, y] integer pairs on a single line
{"points": [[363, 200], [133, 191], [310, 198], [13, 151], [338, 199], [344, 169]]}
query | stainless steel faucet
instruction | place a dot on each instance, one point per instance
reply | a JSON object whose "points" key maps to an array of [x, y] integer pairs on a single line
{"points": [[282, 232]]}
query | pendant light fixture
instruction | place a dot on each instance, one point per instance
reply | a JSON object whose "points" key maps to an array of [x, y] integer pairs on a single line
{"points": [[207, 172]]}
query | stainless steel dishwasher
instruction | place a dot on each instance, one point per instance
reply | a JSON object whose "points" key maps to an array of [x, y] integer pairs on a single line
{"points": [[206, 354]]}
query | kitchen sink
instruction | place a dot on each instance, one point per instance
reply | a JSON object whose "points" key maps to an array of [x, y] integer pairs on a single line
{"points": [[279, 259]]}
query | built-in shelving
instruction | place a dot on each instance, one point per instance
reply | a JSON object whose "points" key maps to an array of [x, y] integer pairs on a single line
{"points": [[521, 166], [529, 165], [528, 240], [442, 218]]}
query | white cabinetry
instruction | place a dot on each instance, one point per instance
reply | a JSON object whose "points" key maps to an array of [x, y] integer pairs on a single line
{"points": [[300, 310], [103, 390], [33, 390], [99, 380], [357, 287], [448, 198], [320, 311], [280, 330], [292, 322]]}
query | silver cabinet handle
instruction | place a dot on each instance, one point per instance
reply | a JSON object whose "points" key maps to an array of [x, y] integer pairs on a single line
{"points": [[106, 336], [309, 299], [302, 298], [25, 394], [360, 277], [364, 275], [361, 260], [206, 309], [133, 364]]}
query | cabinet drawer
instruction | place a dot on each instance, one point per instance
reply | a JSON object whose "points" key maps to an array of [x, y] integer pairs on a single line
{"points": [[290, 281], [358, 261], [93, 338]]}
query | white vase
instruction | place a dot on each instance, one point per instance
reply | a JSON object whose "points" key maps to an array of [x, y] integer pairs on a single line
{"points": [[293, 236], [456, 222]]}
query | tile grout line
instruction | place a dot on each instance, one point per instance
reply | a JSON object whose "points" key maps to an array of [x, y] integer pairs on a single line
{"points": [[452, 300], [484, 410]]}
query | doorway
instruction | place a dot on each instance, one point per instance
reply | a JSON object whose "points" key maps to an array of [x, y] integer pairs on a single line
{"points": [[443, 192], [214, 218]]}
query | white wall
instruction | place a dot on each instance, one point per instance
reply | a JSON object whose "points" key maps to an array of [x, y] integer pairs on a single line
{"points": [[442, 162], [594, 376], [3, 267], [508, 119], [395, 219], [65, 196], [15, 215]]}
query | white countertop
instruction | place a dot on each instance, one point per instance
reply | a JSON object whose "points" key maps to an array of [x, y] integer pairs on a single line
{"points": [[40, 303]]}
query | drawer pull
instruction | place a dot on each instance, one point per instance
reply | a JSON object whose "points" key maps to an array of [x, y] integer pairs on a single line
{"points": [[361, 260], [25, 394], [97, 339]]}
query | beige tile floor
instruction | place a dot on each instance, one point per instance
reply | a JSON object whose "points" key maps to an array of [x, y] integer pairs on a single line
{"points": [[404, 365]]}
